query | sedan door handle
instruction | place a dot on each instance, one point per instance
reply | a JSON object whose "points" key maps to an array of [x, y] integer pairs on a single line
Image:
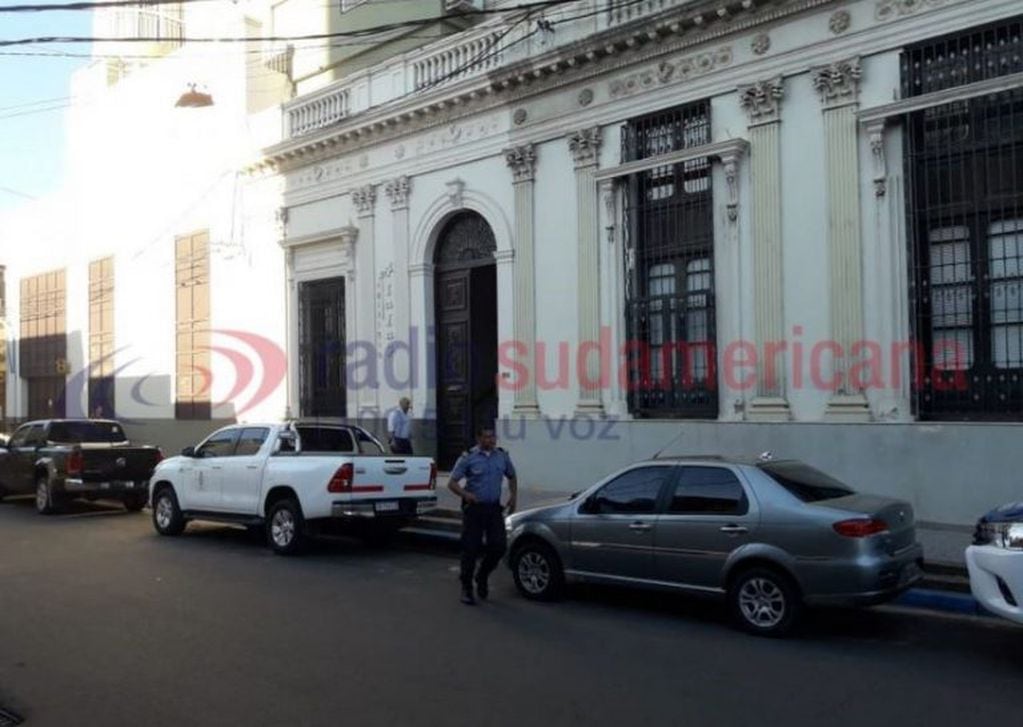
{"points": [[641, 527], [734, 529]]}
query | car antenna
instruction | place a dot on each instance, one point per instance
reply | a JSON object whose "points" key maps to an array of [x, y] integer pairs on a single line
{"points": [[657, 454]]}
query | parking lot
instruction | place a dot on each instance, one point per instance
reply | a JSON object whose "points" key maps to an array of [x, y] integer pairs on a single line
{"points": [[102, 622]]}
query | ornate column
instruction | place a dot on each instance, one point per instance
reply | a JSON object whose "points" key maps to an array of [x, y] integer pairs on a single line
{"points": [[397, 191], [349, 236], [522, 161], [839, 87], [364, 199], [762, 102], [424, 398], [585, 147]]}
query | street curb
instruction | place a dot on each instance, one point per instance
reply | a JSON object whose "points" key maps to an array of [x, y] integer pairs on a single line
{"points": [[946, 601]]}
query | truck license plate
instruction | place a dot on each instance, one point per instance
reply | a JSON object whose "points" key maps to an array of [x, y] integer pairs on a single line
{"points": [[387, 507]]}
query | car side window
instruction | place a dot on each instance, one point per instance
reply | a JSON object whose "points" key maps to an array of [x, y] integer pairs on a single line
{"points": [[634, 492], [20, 436], [708, 491], [36, 436], [250, 441], [220, 444], [367, 444]]}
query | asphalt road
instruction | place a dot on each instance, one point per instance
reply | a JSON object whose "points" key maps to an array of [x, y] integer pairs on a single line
{"points": [[102, 622]]}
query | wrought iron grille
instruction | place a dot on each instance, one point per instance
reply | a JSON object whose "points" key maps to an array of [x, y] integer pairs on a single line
{"points": [[322, 381], [670, 268], [964, 161]]}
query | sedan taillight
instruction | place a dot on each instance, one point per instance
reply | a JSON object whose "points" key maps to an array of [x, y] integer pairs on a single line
{"points": [[862, 527], [342, 479]]}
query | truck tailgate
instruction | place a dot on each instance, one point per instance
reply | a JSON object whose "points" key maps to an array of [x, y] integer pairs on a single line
{"points": [[105, 463], [394, 476]]}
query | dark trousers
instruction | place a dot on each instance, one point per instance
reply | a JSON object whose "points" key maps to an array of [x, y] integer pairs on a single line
{"points": [[401, 446], [483, 521]]}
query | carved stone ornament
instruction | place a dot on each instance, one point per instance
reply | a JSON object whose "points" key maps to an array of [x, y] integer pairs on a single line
{"points": [[586, 97], [520, 116], [585, 146], [349, 234], [281, 221], [398, 191], [677, 69], [840, 22], [365, 199], [891, 9], [875, 133], [730, 165], [762, 100], [839, 83], [522, 161], [761, 44], [455, 189]]}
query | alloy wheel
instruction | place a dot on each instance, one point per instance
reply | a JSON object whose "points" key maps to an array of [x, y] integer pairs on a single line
{"points": [[164, 512], [282, 528], [534, 572], [762, 603]]}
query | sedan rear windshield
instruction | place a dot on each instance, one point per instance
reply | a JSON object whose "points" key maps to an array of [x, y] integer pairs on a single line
{"points": [[75, 432], [805, 482]]}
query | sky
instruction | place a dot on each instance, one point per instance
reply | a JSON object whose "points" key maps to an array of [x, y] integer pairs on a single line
{"points": [[32, 134]]}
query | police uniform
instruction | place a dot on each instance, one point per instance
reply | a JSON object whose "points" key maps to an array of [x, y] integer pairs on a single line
{"points": [[484, 473]]}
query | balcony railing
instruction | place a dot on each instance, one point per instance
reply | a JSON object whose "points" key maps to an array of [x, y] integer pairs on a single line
{"points": [[620, 12], [318, 111], [165, 26], [466, 59]]}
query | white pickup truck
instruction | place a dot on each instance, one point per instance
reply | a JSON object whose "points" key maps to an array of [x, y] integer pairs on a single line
{"points": [[292, 480]]}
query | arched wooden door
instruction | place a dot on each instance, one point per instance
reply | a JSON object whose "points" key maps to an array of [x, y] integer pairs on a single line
{"points": [[465, 310]]}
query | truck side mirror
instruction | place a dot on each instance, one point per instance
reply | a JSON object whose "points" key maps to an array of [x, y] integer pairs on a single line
{"points": [[188, 452]]}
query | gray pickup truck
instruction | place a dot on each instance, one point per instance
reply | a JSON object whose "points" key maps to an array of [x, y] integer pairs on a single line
{"points": [[61, 459]]}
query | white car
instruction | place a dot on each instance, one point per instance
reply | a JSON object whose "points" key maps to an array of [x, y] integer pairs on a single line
{"points": [[292, 480], [995, 562]]}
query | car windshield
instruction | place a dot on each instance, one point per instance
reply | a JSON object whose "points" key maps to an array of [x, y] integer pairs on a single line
{"points": [[74, 432], [805, 482]]}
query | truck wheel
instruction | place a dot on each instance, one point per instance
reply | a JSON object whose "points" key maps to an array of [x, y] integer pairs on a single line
{"points": [[167, 516], [46, 501], [134, 503], [285, 527]]}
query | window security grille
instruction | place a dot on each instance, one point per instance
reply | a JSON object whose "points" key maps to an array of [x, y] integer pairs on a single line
{"points": [[964, 161], [669, 268]]}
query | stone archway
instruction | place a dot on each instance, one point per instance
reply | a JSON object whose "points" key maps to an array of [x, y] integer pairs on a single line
{"points": [[465, 313]]}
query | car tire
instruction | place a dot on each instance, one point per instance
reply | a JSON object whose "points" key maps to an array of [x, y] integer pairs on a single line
{"points": [[135, 503], [46, 500], [167, 516], [285, 527], [537, 571], [764, 601]]}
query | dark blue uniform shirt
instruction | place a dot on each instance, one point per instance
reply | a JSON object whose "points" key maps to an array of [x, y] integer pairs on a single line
{"points": [[484, 472]]}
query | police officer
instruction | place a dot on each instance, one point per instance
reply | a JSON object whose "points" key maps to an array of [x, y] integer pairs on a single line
{"points": [[484, 467]]}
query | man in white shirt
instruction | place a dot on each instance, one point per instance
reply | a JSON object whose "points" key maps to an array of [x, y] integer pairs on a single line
{"points": [[399, 428]]}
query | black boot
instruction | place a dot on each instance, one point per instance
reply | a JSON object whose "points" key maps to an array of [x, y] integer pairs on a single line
{"points": [[467, 598], [482, 588]]}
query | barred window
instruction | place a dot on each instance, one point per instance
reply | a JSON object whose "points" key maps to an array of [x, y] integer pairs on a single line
{"points": [[964, 161], [669, 268]]}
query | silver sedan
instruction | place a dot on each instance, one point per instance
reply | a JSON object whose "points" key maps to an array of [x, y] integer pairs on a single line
{"points": [[769, 535]]}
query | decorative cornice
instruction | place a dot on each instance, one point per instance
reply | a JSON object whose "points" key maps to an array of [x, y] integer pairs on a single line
{"points": [[398, 190], [762, 100], [838, 83], [522, 161], [585, 147], [365, 199], [578, 62]]}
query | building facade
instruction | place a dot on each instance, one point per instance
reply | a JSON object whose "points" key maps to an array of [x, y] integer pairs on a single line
{"points": [[612, 227]]}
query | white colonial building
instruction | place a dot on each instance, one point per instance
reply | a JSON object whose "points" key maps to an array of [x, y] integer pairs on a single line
{"points": [[614, 225]]}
